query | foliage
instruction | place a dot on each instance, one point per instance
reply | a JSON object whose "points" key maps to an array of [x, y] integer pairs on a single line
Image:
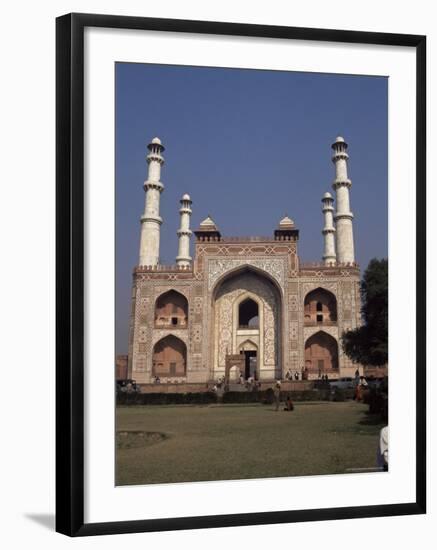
{"points": [[269, 397], [204, 398], [377, 399], [368, 344]]}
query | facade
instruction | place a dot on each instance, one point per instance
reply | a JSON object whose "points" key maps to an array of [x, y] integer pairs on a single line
{"points": [[243, 304]]}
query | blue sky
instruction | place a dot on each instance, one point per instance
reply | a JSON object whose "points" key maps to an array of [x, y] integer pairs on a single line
{"points": [[249, 146]]}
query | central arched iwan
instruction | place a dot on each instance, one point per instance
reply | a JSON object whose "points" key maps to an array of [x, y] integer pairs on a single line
{"points": [[247, 305]]}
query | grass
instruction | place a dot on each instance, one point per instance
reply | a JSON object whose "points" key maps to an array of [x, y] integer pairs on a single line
{"points": [[172, 443]]}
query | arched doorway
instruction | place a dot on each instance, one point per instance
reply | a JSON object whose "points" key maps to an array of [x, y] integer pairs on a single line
{"points": [[171, 310], [320, 307], [250, 351], [321, 354], [169, 357], [247, 305]]}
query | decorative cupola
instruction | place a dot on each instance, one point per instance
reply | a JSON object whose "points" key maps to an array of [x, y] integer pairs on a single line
{"points": [[286, 230], [208, 231]]}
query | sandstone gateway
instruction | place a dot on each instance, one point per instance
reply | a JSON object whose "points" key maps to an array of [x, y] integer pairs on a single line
{"points": [[243, 304]]}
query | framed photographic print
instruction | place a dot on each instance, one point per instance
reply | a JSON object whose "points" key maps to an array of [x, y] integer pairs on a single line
{"points": [[240, 274]]}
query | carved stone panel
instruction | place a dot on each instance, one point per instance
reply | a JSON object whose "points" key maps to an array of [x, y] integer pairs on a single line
{"points": [[196, 335], [294, 326], [309, 286], [309, 331], [140, 363], [161, 333], [275, 267]]}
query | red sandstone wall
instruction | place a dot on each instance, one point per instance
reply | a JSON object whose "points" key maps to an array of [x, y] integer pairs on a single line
{"points": [[121, 367]]}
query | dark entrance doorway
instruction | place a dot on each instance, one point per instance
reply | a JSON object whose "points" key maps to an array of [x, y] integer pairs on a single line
{"points": [[250, 364]]}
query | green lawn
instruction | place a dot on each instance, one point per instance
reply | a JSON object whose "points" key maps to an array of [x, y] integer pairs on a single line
{"points": [[199, 443]]}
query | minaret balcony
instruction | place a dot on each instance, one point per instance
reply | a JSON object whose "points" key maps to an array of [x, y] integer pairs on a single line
{"points": [[343, 215], [155, 157], [153, 184], [339, 155], [151, 218], [341, 183], [185, 210]]}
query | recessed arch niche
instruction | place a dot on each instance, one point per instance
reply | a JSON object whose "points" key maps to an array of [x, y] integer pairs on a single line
{"points": [[169, 357], [321, 353], [320, 307], [171, 310]]}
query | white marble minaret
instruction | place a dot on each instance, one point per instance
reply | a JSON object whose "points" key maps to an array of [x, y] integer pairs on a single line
{"points": [[151, 220], [328, 231], [343, 215], [184, 233]]}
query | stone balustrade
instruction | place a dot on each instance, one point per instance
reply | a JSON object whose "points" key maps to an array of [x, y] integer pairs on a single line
{"points": [[161, 267]]}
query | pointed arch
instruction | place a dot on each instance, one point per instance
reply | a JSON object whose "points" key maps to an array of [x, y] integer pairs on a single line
{"points": [[321, 353], [248, 345], [244, 268], [248, 313], [320, 307], [171, 310], [169, 357], [226, 296]]}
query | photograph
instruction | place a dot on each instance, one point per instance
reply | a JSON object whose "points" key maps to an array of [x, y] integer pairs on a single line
{"points": [[251, 274], [223, 242]]}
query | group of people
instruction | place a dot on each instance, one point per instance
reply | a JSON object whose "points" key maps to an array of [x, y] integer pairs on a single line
{"points": [[251, 383], [128, 386], [296, 376], [157, 380]]}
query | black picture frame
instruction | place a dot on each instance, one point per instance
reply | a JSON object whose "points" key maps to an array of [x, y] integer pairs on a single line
{"points": [[70, 273]]}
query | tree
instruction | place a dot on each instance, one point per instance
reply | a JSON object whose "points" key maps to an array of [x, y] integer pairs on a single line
{"points": [[368, 344]]}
